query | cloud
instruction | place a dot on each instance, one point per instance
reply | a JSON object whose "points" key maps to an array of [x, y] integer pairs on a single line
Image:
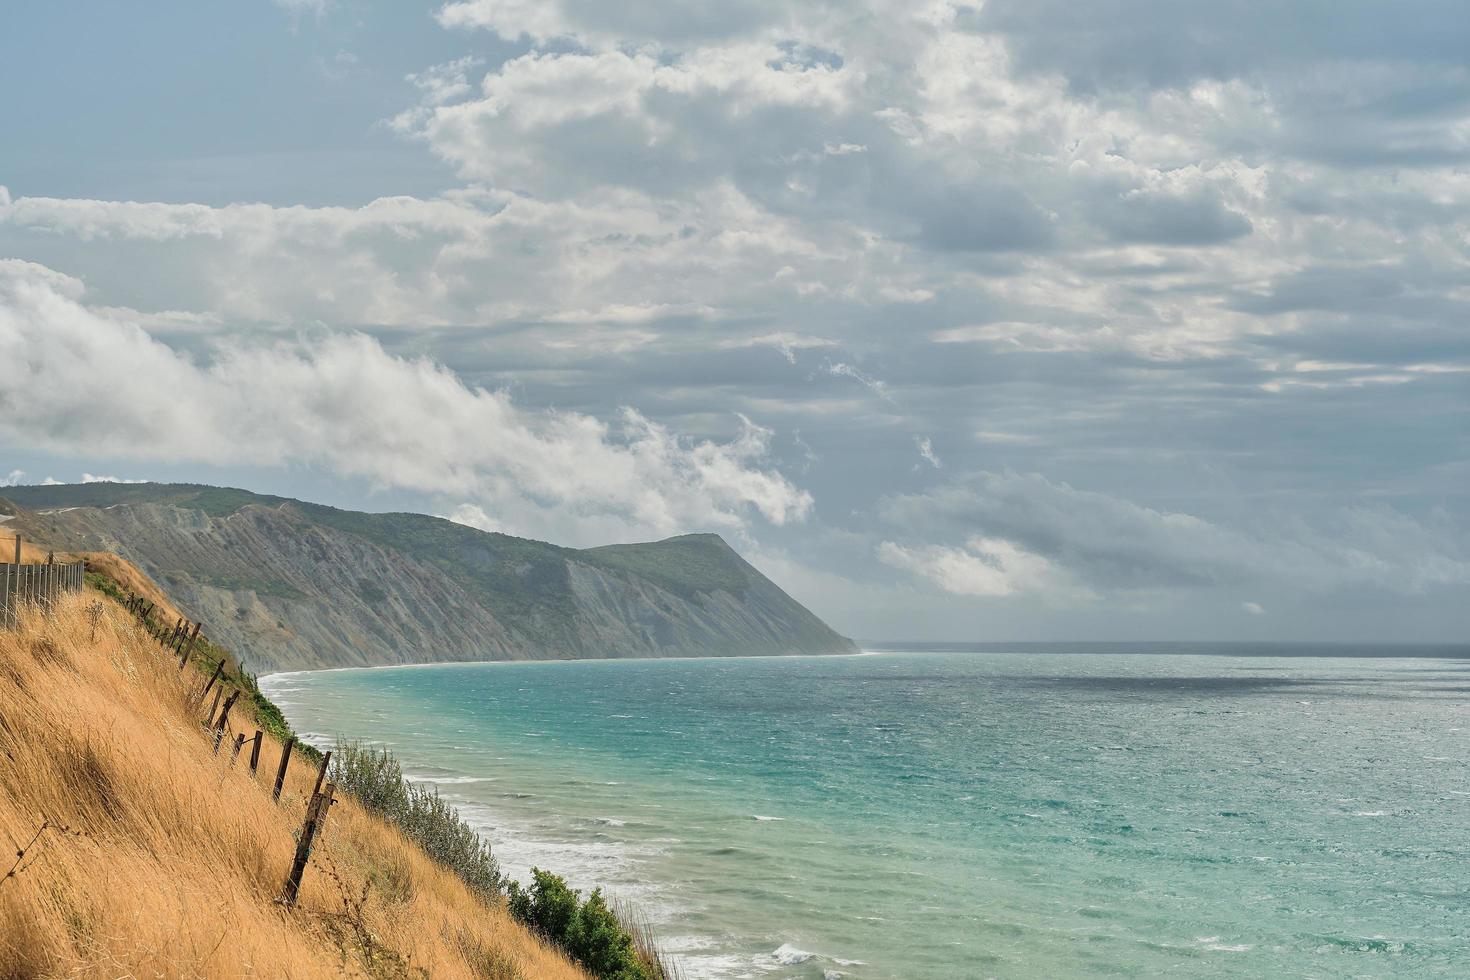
{"points": [[841, 369], [93, 478], [1156, 42], [89, 384], [1254, 608], [786, 342], [1211, 254], [1352, 84], [1170, 219], [1112, 544], [447, 82], [926, 450], [986, 567]]}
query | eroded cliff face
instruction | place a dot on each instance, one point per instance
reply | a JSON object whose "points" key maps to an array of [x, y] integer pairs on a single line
{"points": [[293, 586]]}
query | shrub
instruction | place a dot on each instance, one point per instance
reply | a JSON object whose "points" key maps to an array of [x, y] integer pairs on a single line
{"points": [[375, 779], [588, 931]]}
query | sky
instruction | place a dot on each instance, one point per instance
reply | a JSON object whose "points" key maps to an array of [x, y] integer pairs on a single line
{"points": [[970, 321]]}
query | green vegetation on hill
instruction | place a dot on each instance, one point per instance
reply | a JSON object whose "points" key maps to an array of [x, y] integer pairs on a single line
{"points": [[294, 584], [587, 929], [688, 564], [375, 778]]}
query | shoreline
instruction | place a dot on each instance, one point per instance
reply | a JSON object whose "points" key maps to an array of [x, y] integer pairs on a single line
{"points": [[585, 856]]}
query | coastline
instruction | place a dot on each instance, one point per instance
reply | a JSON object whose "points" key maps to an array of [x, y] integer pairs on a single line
{"points": [[920, 794], [589, 850]]}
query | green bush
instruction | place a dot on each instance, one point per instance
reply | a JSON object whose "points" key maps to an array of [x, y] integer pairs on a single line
{"points": [[588, 931], [375, 779]]}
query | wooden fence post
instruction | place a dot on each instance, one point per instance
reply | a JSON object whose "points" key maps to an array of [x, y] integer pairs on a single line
{"points": [[322, 772], [281, 771], [224, 717], [219, 668], [235, 752], [255, 752], [214, 706], [189, 647], [315, 813], [17, 548]]}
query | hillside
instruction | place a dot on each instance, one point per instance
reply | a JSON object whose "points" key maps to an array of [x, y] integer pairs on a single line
{"points": [[301, 585], [144, 853]]}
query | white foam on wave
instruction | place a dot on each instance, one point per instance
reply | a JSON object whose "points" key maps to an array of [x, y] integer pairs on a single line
{"points": [[458, 780], [1370, 813], [788, 955], [765, 819]]}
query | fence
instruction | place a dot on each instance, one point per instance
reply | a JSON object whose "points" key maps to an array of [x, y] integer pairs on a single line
{"points": [[179, 641], [43, 584], [40, 584]]}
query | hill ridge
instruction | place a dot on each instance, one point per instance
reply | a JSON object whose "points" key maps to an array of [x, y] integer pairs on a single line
{"points": [[300, 584]]}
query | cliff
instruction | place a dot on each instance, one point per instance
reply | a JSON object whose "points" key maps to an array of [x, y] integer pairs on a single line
{"points": [[295, 585]]}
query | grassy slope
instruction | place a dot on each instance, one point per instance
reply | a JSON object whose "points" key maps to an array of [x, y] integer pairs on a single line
{"points": [[173, 859]]}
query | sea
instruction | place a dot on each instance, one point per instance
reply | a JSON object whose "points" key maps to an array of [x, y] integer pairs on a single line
{"points": [[977, 812]]}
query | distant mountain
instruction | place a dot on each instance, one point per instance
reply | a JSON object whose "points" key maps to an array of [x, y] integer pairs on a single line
{"points": [[292, 585]]}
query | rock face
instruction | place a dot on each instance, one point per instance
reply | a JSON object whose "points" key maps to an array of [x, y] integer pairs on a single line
{"points": [[293, 585]]}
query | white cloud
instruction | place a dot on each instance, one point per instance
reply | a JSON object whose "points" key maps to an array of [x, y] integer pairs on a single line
{"points": [[841, 369], [447, 82], [926, 450], [1116, 545], [93, 478], [784, 341], [473, 515], [988, 567], [470, 257], [1254, 608], [88, 383], [13, 478]]}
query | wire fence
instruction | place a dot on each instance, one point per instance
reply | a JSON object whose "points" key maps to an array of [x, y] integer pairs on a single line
{"points": [[179, 641]]}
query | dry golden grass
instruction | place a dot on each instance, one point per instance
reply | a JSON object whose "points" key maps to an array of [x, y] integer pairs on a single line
{"points": [[171, 859], [129, 577]]}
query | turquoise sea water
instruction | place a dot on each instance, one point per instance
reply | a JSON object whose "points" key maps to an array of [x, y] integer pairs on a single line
{"points": [[956, 815]]}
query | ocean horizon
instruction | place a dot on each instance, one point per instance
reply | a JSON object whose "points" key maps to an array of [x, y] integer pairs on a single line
{"points": [[1209, 809]]}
